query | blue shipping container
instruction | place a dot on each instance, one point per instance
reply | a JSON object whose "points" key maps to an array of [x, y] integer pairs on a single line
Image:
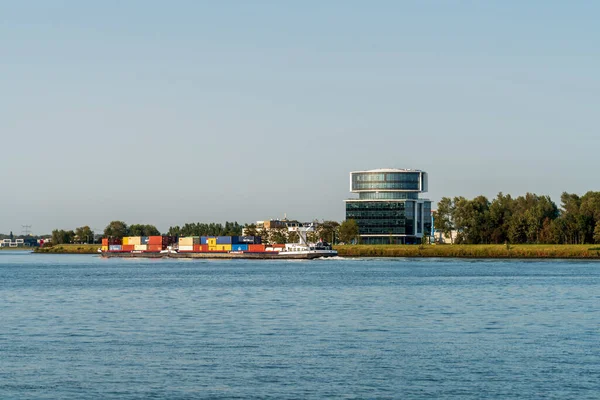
{"points": [[115, 247], [203, 239], [239, 247], [145, 239], [223, 239]]}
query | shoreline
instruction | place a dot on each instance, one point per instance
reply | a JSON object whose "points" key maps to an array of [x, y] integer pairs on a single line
{"points": [[480, 251]]}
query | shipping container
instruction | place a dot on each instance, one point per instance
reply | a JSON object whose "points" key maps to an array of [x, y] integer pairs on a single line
{"points": [[186, 248], [257, 248], [145, 239], [115, 247], [133, 240], [114, 241], [128, 247], [239, 247], [155, 240], [155, 248], [223, 239], [211, 241], [203, 239], [245, 239], [223, 247], [189, 240], [125, 241], [141, 247], [105, 248], [105, 242]]}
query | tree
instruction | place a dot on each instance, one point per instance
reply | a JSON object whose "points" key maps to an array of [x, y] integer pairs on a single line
{"points": [[279, 235], [597, 232], [327, 230], [60, 236], [84, 234], [348, 231], [143, 230], [443, 217], [251, 230], [116, 229]]}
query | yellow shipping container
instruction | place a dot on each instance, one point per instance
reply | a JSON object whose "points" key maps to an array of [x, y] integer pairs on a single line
{"points": [[223, 247], [104, 248], [125, 241], [211, 241]]}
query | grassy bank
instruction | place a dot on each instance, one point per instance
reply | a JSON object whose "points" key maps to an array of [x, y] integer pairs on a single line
{"points": [[472, 251], [70, 249], [23, 248]]}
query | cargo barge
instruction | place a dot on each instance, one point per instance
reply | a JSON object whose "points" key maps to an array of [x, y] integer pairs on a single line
{"points": [[215, 247]]}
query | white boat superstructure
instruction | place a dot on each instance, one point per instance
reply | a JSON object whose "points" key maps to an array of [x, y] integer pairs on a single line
{"points": [[319, 249]]}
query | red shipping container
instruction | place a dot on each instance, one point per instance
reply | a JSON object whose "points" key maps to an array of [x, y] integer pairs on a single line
{"points": [[155, 247], [155, 240], [256, 248], [128, 247]]}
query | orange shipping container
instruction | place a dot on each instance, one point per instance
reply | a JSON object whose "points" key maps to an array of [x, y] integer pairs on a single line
{"points": [[155, 247], [128, 247], [155, 240], [257, 248], [105, 242]]}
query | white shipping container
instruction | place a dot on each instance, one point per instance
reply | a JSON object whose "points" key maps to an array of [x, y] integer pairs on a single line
{"points": [[186, 248], [141, 247]]}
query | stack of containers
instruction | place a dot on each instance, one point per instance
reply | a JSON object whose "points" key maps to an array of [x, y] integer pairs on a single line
{"points": [[115, 244], [155, 243], [131, 243], [189, 243], [104, 244], [158, 243]]}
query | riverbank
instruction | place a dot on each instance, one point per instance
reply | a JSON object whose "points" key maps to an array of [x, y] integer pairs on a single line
{"points": [[70, 249], [22, 248], [582, 251], [585, 251]]}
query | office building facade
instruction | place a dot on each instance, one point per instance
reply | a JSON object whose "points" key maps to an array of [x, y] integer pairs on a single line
{"points": [[388, 209]]}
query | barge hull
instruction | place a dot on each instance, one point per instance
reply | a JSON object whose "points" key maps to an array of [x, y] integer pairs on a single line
{"points": [[227, 256]]}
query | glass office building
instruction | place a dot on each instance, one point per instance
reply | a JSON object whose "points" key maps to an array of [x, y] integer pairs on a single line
{"points": [[388, 209]]}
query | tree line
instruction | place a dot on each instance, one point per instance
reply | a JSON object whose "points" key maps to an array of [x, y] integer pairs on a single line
{"points": [[525, 219]]}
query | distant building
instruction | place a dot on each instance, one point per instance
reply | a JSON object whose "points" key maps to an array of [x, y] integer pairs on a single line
{"points": [[388, 209]]}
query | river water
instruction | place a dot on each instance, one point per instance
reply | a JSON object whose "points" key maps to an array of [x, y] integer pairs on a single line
{"points": [[74, 327]]}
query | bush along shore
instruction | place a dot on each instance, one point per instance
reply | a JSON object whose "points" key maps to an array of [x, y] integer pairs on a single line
{"points": [[585, 251]]}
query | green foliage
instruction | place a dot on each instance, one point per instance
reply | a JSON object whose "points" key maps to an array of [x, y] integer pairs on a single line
{"points": [[202, 229], [348, 231], [143, 230], [597, 233], [116, 229], [60, 236], [328, 231], [443, 219], [526, 219], [84, 234], [278, 235]]}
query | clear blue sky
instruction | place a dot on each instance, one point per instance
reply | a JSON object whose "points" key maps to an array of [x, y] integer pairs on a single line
{"points": [[169, 112]]}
